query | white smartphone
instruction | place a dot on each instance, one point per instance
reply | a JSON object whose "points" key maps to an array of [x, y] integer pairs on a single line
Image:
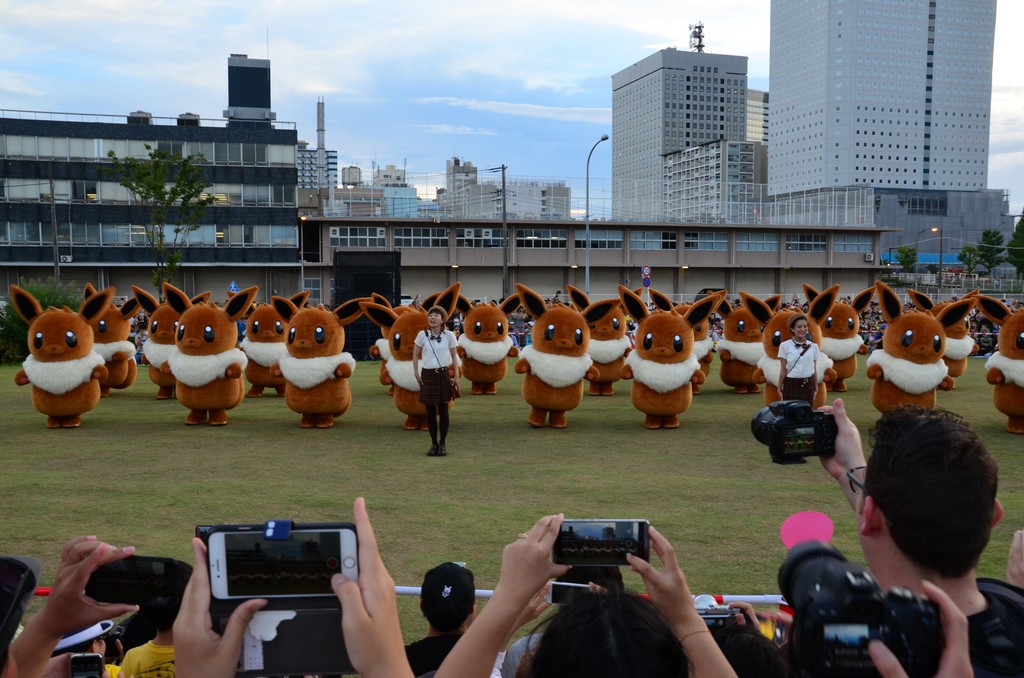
{"points": [[244, 563], [559, 592]]}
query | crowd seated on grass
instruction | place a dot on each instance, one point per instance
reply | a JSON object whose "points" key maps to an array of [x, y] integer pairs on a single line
{"points": [[925, 503]]}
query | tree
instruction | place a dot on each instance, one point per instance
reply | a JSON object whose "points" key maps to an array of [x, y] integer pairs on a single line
{"points": [[170, 189], [14, 330], [906, 256], [991, 250], [1015, 248], [970, 257]]}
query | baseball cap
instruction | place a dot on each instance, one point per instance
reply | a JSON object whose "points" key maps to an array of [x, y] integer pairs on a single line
{"points": [[447, 596], [82, 635], [18, 579]]}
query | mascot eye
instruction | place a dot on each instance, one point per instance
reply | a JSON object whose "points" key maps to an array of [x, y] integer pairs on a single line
{"points": [[648, 341], [696, 328], [291, 335], [849, 323], [320, 335], [279, 327], [208, 334], [501, 328], [71, 339], [396, 342], [908, 338], [741, 326], [181, 331], [38, 340], [153, 326], [828, 322], [579, 337], [478, 327], [677, 343], [615, 323], [1020, 340], [549, 332], [255, 327], [937, 343], [777, 338], [102, 327]]}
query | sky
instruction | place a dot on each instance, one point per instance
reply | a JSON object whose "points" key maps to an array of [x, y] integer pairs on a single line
{"points": [[524, 84]]}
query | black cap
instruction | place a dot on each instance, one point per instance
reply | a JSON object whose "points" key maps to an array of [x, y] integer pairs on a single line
{"points": [[447, 596], [18, 579]]}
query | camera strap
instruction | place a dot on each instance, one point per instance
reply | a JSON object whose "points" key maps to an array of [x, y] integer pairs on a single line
{"points": [[806, 348], [429, 339]]}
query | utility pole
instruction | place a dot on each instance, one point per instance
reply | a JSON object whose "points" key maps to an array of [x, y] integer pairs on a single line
{"points": [[53, 228], [504, 233]]}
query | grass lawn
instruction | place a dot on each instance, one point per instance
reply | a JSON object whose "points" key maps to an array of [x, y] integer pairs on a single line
{"points": [[135, 474]]}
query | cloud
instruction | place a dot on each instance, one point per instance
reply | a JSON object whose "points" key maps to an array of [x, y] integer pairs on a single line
{"points": [[455, 129], [563, 114]]}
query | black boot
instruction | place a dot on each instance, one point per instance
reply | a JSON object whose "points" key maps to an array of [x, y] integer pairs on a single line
{"points": [[433, 451]]}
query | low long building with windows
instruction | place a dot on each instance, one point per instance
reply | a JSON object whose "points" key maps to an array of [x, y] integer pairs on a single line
{"points": [[62, 210]]}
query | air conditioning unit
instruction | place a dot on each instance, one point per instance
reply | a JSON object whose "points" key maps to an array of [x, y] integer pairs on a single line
{"points": [[66, 258], [380, 233], [485, 233], [869, 257], [335, 231]]}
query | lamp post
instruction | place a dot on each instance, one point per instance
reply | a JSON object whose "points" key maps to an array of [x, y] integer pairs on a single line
{"points": [[917, 245], [586, 264], [941, 241]]}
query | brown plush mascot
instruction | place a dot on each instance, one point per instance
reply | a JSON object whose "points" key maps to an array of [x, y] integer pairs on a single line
{"points": [[110, 336], [840, 335], [484, 344], [1006, 366], [163, 324], [556, 362], [608, 341], [62, 367], [264, 345], [959, 343], [909, 367], [741, 348], [316, 367], [207, 365]]}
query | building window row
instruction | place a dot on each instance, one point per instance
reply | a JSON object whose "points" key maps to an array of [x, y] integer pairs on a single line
{"points": [[706, 240], [600, 239], [103, 234], [107, 192], [542, 238], [414, 236], [217, 153]]}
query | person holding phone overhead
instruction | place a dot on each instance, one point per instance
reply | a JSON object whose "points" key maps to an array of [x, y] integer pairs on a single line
{"points": [[799, 358], [436, 348]]}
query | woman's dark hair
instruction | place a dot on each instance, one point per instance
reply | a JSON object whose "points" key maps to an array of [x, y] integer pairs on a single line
{"points": [[608, 635], [750, 653]]}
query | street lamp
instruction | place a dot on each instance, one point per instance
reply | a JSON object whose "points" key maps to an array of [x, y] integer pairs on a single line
{"points": [[941, 241], [586, 265], [917, 245]]}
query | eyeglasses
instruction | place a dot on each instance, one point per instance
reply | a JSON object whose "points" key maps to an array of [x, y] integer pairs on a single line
{"points": [[856, 484]]}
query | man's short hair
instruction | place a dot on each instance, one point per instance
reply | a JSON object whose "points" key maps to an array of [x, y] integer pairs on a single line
{"points": [[447, 596], [935, 482]]}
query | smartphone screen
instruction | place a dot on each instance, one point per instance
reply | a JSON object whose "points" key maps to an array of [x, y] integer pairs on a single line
{"points": [[244, 564], [87, 665], [137, 580], [601, 542], [559, 592]]}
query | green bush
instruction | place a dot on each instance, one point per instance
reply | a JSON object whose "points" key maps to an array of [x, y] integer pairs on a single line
{"points": [[14, 330]]}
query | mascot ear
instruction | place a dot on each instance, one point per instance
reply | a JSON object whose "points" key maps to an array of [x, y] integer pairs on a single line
{"points": [[822, 303], [993, 309], [955, 312], [633, 304], [891, 306], [810, 292], [774, 302], [531, 301], [300, 299], [88, 291], [578, 297], [724, 308], [921, 300], [599, 310], [463, 304], [285, 308], [380, 315], [95, 305], [240, 303], [760, 309], [703, 308], [510, 304], [130, 307], [176, 299], [349, 312], [448, 298], [861, 301], [28, 308], [147, 300], [662, 302]]}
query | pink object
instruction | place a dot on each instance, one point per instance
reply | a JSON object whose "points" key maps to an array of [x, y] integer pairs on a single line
{"points": [[806, 526]]}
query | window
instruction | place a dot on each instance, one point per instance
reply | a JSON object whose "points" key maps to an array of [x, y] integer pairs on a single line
{"points": [[284, 195], [853, 242], [600, 239], [805, 242], [415, 236], [172, 147], [653, 240], [284, 236], [747, 241], [706, 240], [315, 291], [478, 237], [83, 191], [357, 236], [542, 238]]}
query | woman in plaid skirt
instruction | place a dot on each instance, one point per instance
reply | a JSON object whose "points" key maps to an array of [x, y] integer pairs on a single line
{"points": [[799, 357], [436, 348]]}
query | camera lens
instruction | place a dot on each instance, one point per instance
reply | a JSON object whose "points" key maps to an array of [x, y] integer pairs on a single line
{"points": [[805, 566], [761, 425]]}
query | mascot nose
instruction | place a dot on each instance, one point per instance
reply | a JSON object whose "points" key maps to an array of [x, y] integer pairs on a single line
{"points": [[55, 349], [191, 342], [661, 351]]}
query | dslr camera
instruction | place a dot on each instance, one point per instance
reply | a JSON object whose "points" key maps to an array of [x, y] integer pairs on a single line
{"points": [[840, 609], [792, 430], [713, 614]]}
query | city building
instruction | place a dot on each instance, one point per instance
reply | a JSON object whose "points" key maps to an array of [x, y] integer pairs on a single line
{"points": [[757, 116], [668, 102], [716, 182], [309, 169], [248, 92], [465, 197]]}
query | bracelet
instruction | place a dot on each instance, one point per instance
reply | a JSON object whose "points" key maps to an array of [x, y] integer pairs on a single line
{"points": [[687, 635]]}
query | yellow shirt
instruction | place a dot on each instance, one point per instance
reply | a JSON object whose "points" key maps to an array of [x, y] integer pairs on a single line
{"points": [[149, 661]]}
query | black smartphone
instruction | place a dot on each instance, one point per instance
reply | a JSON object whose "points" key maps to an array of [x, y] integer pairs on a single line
{"points": [[137, 580], [86, 665], [601, 541]]}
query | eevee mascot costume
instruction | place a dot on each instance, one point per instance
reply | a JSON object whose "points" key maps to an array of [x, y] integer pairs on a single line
{"points": [[608, 341], [840, 335], [266, 332], [741, 348], [63, 369], [1006, 366], [163, 323], [207, 365], [556, 362], [484, 344], [110, 334]]}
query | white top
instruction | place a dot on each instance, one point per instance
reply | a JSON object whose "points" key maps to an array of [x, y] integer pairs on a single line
{"points": [[436, 349], [798, 366]]}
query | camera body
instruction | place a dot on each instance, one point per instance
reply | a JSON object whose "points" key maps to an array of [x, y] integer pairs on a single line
{"points": [[715, 615], [792, 430], [840, 608], [85, 665]]}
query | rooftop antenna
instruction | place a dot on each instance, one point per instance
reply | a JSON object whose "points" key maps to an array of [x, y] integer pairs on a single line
{"points": [[268, 42], [697, 37]]}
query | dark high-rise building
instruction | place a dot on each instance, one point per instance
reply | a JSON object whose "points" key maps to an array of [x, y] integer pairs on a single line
{"points": [[248, 92]]}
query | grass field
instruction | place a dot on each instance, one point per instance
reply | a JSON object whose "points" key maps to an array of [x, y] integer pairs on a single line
{"points": [[135, 474]]}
